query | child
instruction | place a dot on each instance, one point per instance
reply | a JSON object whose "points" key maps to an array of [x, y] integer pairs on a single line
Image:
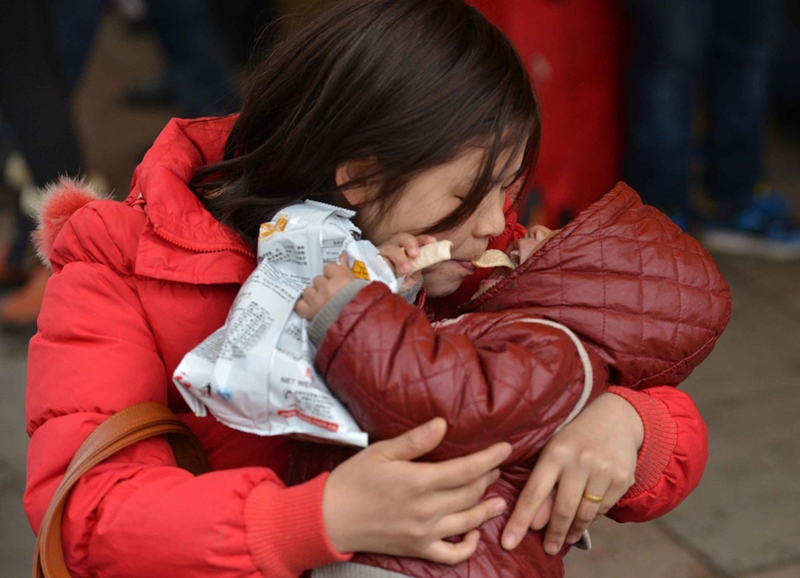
{"points": [[643, 296], [376, 94]]}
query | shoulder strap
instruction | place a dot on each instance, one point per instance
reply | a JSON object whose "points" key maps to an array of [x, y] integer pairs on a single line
{"points": [[131, 425]]}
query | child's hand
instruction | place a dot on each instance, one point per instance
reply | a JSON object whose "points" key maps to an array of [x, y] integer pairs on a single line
{"points": [[400, 250], [325, 286]]}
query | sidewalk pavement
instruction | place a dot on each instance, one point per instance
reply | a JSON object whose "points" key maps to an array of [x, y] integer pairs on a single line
{"points": [[742, 522]]}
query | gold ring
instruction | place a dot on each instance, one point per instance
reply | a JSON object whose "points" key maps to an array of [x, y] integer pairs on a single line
{"points": [[593, 499]]}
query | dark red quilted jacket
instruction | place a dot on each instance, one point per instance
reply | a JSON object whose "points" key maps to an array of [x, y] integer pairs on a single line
{"points": [[644, 298]]}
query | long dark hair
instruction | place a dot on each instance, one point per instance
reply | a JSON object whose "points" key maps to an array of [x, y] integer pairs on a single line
{"points": [[406, 83]]}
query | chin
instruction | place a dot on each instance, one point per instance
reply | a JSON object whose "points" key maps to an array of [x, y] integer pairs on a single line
{"points": [[442, 287]]}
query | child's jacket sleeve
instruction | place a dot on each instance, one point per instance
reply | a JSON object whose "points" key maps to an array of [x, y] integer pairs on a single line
{"points": [[504, 378], [494, 377]]}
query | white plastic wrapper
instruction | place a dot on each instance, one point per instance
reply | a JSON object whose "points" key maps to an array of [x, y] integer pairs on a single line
{"points": [[256, 373]]}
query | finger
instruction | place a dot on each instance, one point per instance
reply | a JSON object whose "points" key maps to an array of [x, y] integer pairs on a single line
{"points": [[589, 508], [465, 497], [536, 490], [543, 514], [462, 471], [568, 500], [343, 260], [467, 520], [397, 257], [408, 243], [426, 239], [302, 308], [414, 443], [454, 553], [331, 269]]}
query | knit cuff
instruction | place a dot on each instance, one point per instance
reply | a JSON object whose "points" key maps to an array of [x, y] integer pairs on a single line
{"points": [[660, 438], [328, 315], [286, 530]]}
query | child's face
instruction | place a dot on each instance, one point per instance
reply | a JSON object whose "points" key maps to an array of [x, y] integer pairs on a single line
{"points": [[433, 195], [537, 236]]}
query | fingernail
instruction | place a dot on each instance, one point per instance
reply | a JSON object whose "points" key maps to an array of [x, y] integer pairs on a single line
{"points": [[572, 538], [509, 541], [551, 548], [499, 508]]}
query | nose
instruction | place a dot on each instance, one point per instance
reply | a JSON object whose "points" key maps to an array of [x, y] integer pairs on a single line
{"points": [[490, 220]]}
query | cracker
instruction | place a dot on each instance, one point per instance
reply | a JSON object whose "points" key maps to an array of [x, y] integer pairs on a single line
{"points": [[431, 254], [494, 258]]}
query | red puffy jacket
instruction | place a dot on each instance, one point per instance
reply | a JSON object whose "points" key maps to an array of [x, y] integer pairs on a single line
{"points": [[136, 285], [640, 294]]}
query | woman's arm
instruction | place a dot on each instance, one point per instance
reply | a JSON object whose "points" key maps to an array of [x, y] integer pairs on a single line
{"points": [[94, 355]]}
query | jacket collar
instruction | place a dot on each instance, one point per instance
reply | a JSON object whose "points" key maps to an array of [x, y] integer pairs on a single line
{"points": [[176, 217]]}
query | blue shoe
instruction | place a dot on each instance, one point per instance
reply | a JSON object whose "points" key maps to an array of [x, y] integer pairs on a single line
{"points": [[683, 220], [762, 229]]}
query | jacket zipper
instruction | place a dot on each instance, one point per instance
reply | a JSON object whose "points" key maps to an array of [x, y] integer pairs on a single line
{"points": [[184, 245]]}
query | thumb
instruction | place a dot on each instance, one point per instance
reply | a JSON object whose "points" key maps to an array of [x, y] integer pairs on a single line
{"points": [[414, 443]]}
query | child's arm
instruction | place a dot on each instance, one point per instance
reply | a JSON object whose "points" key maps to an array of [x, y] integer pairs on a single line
{"points": [[503, 376], [399, 251]]}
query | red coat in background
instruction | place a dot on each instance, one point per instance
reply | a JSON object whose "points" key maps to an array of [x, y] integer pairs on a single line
{"points": [[576, 52]]}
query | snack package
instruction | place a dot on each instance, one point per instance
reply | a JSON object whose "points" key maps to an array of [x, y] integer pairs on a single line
{"points": [[256, 373]]}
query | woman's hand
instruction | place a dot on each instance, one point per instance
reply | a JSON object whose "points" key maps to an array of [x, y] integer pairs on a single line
{"points": [[380, 501], [594, 456], [314, 297]]}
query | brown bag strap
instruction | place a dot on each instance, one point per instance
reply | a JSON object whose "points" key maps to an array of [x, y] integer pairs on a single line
{"points": [[131, 425]]}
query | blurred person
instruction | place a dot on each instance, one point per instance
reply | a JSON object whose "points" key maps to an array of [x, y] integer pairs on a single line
{"points": [[726, 49], [35, 105], [575, 51], [197, 76]]}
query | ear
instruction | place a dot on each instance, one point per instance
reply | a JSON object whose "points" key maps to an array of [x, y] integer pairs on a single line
{"points": [[352, 171]]}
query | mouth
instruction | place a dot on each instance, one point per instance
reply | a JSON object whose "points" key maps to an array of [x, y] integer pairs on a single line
{"points": [[466, 265]]}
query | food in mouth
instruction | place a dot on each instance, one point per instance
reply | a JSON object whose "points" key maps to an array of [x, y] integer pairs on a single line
{"points": [[494, 258], [431, 254]]}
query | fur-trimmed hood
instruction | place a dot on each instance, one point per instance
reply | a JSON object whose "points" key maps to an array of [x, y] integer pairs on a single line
{"points": [[58, 202]]}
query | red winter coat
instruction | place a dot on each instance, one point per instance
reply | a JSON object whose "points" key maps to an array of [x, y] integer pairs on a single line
{"points": [[576, 52], [640, 294], [136, 285]]}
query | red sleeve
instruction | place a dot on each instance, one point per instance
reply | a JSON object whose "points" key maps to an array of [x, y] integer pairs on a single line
{"points": [[672, 458], [137, 514], [508, 377]]}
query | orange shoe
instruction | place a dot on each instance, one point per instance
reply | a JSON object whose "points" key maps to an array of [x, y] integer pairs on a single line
{"points": [[21, 307]]}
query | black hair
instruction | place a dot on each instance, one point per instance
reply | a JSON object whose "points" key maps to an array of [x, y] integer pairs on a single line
{"points": [[406, 83]]}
